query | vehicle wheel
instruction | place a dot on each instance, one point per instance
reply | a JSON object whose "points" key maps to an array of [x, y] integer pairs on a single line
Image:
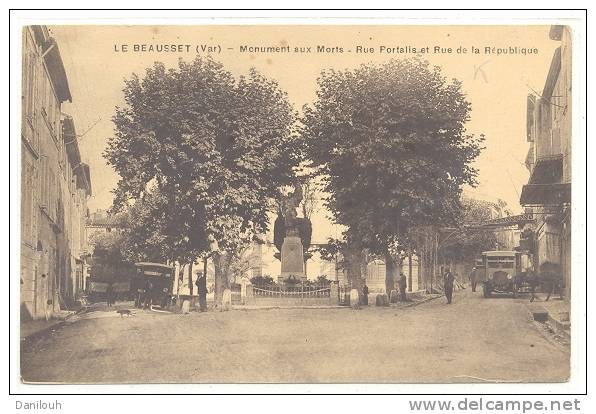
{"points": [[486, 291]]}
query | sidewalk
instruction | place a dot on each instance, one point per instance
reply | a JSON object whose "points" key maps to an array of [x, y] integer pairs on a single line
{"points": [[555, 312]]}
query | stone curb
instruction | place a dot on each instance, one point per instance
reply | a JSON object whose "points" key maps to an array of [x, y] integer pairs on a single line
{"points": [[560, 328], [550, 323]]}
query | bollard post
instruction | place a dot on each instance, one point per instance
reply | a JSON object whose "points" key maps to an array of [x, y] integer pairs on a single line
{"points": [[334, 294], [354, 298], [226, 300]]}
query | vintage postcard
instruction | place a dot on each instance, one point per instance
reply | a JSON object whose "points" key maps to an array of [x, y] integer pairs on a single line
{"points": [[298, 203]]}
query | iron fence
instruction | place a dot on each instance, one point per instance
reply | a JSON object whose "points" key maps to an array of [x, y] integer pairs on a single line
{"points": [[299, 291]]}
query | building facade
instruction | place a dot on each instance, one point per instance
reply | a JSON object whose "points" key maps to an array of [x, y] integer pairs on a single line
{"points": [[100, 222], [55, 184], [548, 192]]}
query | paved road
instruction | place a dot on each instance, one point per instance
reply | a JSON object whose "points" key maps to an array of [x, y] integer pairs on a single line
{"points": [[472, 340]]}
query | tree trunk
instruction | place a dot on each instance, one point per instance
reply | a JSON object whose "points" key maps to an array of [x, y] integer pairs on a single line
{"points": [[355, 259], [190, 284], [219, 278], [390, 273], [221, 265], [426, 265]]}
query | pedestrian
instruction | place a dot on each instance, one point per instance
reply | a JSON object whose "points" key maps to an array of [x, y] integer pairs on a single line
{"points": [[202, 289], [403, 284], [448, 280], [473, 277], [365, 294], [109, 293], [148, 297]]}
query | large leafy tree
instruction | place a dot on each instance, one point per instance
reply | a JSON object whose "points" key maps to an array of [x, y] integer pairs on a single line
{"points": [[473, 237], [390, 143], [108, 261], [200, 154]]}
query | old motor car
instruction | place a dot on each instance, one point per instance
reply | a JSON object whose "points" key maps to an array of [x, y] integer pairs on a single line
{"points": [[152, 284], [501, 269]]}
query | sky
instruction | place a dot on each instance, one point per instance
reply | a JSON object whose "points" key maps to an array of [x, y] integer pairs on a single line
{"points": [[496, 85]]}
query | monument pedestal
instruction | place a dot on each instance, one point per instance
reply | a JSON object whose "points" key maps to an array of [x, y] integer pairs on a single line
{"points": [[292, 261]]}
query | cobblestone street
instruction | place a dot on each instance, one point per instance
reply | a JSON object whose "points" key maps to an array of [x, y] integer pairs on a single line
{"points": [[468, 341]]}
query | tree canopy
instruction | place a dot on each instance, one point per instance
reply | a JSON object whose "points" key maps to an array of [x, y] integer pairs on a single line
{"points": [[199, 156], [391, 145], [468, 243], [109, 262]]}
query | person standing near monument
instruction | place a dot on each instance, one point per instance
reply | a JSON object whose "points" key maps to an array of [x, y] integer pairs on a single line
{"points": [[448, 280], [403, 284], [202, 290]]}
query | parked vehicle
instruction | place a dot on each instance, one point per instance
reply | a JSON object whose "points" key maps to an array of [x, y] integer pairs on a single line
{"points": [[152, 284], [503, 272]]}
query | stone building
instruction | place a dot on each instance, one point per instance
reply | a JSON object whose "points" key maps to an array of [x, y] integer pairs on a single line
{"points": [[548, 192], [55, 184]]}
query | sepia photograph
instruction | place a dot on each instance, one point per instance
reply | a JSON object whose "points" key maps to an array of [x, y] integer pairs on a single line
{"points": [[296, 204]]}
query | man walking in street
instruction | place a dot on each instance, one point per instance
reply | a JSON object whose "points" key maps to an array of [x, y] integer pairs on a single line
{"points": [[473, 278], [448, 280], [403, 284]]}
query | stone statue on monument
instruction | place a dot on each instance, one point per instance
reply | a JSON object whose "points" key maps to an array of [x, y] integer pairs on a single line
{"points": [[289, 204], [292, 236]]}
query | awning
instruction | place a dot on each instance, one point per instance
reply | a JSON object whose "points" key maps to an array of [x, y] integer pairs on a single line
{"points": [[56, 70], [545, 194], [548, 170], [70, 141], [84, 178]]}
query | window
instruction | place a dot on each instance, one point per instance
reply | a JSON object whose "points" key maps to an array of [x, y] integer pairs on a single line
{"points": [[50, 108], [53, 192], [43, 200], [49, 190], [28, 92], [501, 262], [507, 265], [28, 212], [42, 90]]}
